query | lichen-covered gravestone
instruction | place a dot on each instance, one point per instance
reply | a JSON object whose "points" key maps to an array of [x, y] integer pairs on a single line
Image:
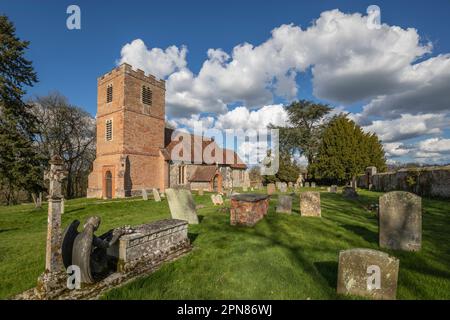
{"points": [[313, 184], [284, 204], [144, 195], [217, 199], [270, 188], [200, 192], [310, 204], [283, 187], [182, 205], [307, 184], [400, 219], [368, 273], [333, 188], [156, 195]]}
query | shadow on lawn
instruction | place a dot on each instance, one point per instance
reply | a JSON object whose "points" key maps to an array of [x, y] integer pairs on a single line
{"points": [[192, 236], [6, 230], [365, 233], [328, 270]]}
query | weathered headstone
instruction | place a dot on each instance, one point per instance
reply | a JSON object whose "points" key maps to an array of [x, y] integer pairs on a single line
{"points": [[313, 184], [400, 220], [182, 205], [156, 195], [333, 188], [290, 184], [244, 189], [283, 187], [368, 273], [278, 185], [310, 204], [307, 184], [217, 199], [328, 189], [284, 204], [270, 188], [144, 195], [349, 192], [200, 192]]}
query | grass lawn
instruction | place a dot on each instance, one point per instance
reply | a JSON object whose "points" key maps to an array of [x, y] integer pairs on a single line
{"points": [[282, 257]]}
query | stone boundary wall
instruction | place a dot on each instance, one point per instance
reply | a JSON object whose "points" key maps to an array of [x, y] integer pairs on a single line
{"points": [[427, 182]]}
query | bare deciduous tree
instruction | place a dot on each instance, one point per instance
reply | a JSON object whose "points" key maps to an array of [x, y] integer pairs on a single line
{"points": [[68, 131]]}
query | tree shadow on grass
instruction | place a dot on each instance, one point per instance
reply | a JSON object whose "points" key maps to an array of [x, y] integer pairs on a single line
{"points": [[74, 210], [192, 236], [366, 234], [6, 230], [328, 270]]}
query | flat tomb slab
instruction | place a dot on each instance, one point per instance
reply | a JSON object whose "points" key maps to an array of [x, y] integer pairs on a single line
{"points": [[148, 240]]}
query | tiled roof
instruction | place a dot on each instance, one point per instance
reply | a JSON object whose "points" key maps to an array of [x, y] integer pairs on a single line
{"points": [[198, 145], [204, 174]]}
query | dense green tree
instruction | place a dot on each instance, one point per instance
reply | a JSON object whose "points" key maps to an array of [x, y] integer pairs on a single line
{"points": [[345, 151], [301, 135], [20, 166], [288, 171]]}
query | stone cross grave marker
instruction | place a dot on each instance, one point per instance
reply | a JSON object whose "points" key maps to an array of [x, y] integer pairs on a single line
{"points": [[400, 219], [156, 195], [284, 204], [53, 258], [181, 205], [310, 204], [270, 188], [368, 273], [144, 195]]}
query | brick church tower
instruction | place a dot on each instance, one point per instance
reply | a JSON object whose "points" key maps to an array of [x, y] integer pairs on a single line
{"points": [[130, 134]]}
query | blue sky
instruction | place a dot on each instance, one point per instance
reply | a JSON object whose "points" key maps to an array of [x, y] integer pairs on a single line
{"points": [[71, 60]]}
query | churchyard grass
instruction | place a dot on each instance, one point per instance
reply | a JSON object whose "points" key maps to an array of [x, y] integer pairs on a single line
{"points": [[282, 257]]}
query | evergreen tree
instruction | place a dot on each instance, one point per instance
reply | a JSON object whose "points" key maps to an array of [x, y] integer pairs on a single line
{"points": [[345, 152], [302, 134], [20, 167]]}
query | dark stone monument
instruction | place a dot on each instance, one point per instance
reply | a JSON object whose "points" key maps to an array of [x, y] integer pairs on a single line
{"points": [[284, 204]]}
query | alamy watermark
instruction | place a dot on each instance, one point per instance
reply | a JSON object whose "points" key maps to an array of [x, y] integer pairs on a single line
{"points": [[212, 146], [73, 21], [374, 17], [374, 278]]}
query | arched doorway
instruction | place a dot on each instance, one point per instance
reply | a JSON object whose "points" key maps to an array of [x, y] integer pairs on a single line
{"points": [[108, 184], [217, 183]]}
